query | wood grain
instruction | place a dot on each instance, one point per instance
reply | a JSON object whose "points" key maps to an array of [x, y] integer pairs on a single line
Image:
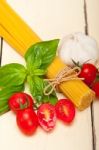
{"points": [[86, 14], [93, 28]]}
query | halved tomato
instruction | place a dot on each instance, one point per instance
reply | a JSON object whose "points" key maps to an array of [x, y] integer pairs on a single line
{"points": [[65, 110], [47, 116]]}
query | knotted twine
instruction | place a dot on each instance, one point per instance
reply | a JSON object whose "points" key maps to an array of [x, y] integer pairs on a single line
{"points": [[64, 75]]}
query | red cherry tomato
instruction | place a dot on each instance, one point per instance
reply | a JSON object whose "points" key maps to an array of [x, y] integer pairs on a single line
{"points": [[20, 98], [47, 116], [95, 88], [27, 121], [65, 110], [88, 72]]}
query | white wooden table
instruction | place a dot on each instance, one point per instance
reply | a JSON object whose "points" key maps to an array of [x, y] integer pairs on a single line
{"points": [[54, 19]]}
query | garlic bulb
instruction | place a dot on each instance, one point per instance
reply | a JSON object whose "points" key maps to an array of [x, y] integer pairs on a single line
{"points": [[78, 47]]}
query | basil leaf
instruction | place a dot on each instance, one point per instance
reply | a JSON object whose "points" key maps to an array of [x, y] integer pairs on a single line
{"points": [[3, 103], [4, 109], [52, 99], [38, 72], [97, 78], [12, 75], [36, 87], [5, 94], [41, 54]]}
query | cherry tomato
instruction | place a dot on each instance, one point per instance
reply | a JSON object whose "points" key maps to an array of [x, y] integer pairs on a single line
{"points": [[27, 121], [20, 98], [47, 116], [65, 110], [88, 72], [95, 88]]}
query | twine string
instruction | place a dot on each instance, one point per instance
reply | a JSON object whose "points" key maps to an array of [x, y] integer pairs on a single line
{"points": [[66, 74]]}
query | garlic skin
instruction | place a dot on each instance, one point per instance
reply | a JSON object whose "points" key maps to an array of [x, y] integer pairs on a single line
{"points": [[78, 47]]}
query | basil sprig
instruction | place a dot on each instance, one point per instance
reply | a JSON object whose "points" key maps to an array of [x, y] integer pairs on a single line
{"points": [[13, 76], [38, 58]]}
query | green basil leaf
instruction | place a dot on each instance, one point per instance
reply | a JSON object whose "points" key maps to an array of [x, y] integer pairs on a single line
{"points": [[12, 75], [5, 94], [36, 87], [4, 109], [97, 78], [3, 103], [38, 72], [52, 99], [41, 54]]}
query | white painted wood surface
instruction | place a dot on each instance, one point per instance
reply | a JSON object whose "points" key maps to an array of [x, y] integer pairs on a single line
{"points": [[50, 19], [93, 27]]}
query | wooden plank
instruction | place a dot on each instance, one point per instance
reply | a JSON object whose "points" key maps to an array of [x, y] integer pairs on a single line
{"points": [[93, 21], [50, 19], [93, 29]]}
